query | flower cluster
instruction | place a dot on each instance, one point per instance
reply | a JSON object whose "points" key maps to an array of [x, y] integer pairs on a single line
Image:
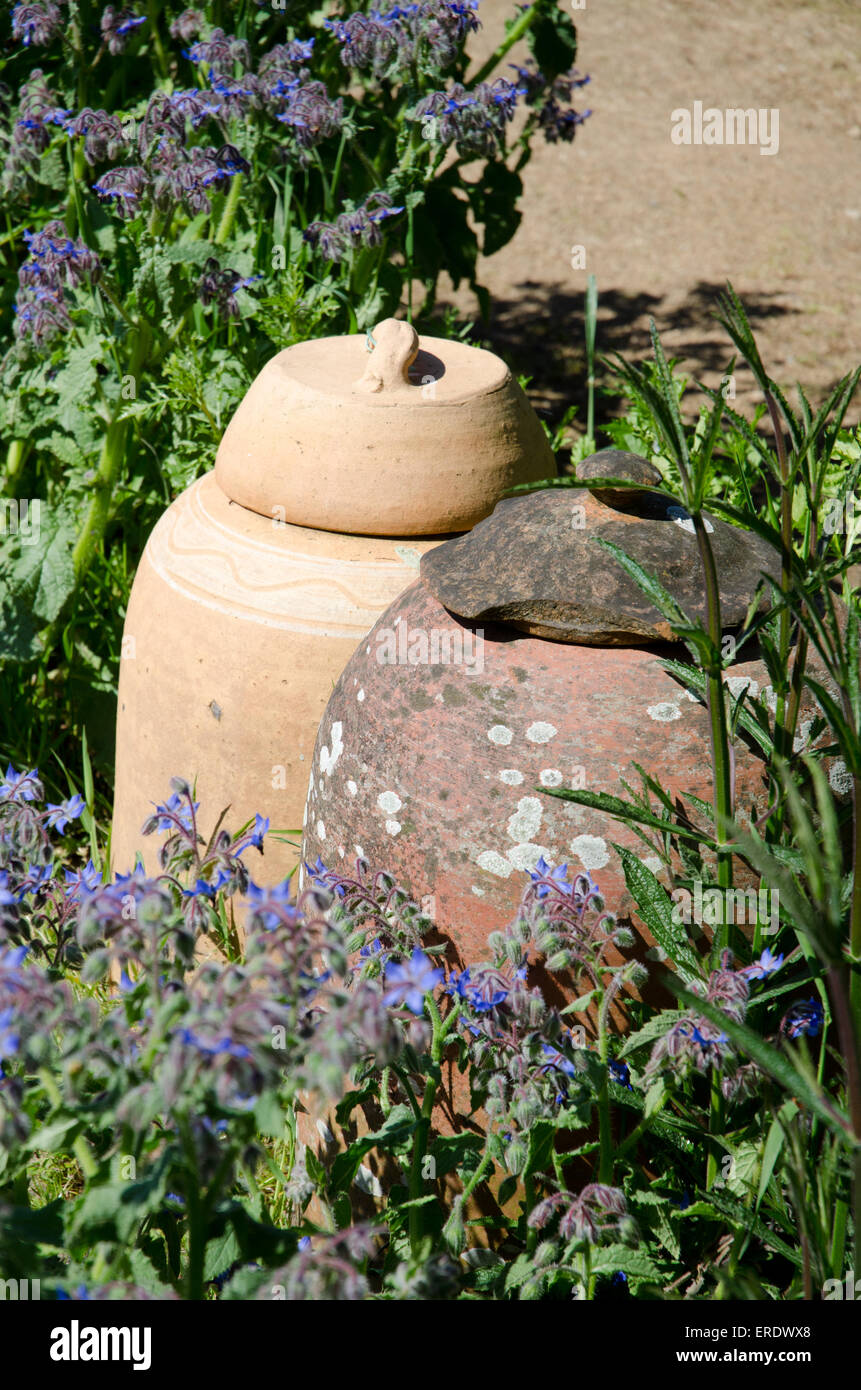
{"points": [[187, 26], [36, 24], [474, 121], [359, 227], [406, 39], [39, 113], [218, 287], [117, 27], [596, 1215], [56, 262], [696, 1043], [557, 121]]}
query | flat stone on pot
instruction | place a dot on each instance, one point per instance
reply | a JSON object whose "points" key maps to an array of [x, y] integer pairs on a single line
{"points": [[533, 563]]}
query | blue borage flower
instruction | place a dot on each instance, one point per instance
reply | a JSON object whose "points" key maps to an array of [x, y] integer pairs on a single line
{"points": [[58, 817], [620, 1073], [20, 786], [10, 1037], [408, 983], [765, 966], [803, 1019], [273, 906], [83, 881]]}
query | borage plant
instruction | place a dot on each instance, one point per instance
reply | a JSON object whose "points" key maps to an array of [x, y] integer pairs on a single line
{"points": [[188, 190]]}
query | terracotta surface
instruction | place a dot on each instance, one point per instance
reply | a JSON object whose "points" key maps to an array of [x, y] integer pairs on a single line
{"points": [[534, 563], [330, 436], [236, 631], [440, 768]]}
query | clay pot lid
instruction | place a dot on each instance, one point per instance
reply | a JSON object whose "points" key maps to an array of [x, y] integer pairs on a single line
{"points": [[392, 363], [533, 563], [384, 433]]}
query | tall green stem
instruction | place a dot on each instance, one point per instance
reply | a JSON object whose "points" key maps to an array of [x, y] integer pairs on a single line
{"points": [[515, 33]]}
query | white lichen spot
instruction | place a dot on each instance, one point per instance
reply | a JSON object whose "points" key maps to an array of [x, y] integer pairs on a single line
{"points": [[352, 788], [359, 851], [341, 851], [653, 862], [321, 830], [770, 695], [494, 863], [368, 1182], [802, 736], [500, 734], [479, 892], [325, 1133], [511, 777], [550, 777], [525, 857], [329, 758], [393, 827], [540, 732], [360, 697], [525, 823], [591, 850], [736, 684], [665, 712], [389, 802], [840, 778], [409, 555]]}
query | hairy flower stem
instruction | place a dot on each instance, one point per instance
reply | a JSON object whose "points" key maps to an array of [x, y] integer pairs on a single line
{"points": [[228, 215], [153, 8], [108, 472], [16, 457]]}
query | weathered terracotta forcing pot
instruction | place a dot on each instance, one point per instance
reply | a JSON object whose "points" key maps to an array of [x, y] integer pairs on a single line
{"points": [[240, 620], [448, 730]]}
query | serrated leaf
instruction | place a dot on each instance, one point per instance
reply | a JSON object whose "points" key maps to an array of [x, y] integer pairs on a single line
{"points": [[657, 1026], [656, 909], [636, 1263]]}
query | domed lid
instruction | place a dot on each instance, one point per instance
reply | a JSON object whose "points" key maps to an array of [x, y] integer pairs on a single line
{"points": [[534, 564], [381, 434]]}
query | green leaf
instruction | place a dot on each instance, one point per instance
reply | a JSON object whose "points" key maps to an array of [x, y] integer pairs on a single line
{"points": [[656, 909], [52, 1137], [774, 1142], [459, 1151], [626, 811], [221, 1252], [398, 1129], [494, 204], [114, 1210], [636, 1263], [269, 1116], [657, 1026]]}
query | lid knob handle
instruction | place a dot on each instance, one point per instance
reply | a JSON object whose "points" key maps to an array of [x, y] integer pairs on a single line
{"points": [[393, 347]]}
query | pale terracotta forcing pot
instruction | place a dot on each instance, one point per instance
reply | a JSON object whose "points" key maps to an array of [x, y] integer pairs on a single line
{"points": [[240, 620]]}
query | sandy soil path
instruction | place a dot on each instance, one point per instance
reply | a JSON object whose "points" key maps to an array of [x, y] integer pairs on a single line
{"points": [[665, 225]]}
